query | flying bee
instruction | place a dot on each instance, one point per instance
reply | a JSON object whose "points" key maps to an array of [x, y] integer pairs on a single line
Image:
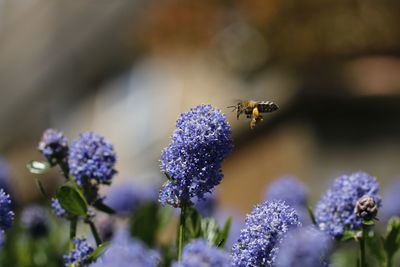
{"points": [[253, 109]]}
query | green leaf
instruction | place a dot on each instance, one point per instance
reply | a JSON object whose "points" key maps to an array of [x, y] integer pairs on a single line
{"points": [[210, 231], [99, 204], [96, 253], [38, 167], [72, 200], [392, 240], [224, 233], [375, 246], [350, 234], [192, 229], [145, 223]]}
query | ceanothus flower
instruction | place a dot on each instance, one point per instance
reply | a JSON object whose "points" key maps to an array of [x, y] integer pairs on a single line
{"points": [[335, 211], [53, 145], [34, 219], [193, 159], [91, 157], [288, 189], [391, 198], [205, 206], [57, 209], [125, 251], [2, 238], [304, 246], [78, 254], [126, 196], [265, 229], [293, 192], [5, 176], [199, 253], [6, 215]]}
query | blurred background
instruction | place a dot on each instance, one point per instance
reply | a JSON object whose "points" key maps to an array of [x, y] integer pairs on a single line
{"points": [[126, 69]]}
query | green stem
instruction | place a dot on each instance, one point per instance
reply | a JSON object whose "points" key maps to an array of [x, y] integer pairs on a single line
{"points": [[64, 167], [72, 228], [72, 234], [362, 247], [389, 262], [94, 232], [181, 230]]}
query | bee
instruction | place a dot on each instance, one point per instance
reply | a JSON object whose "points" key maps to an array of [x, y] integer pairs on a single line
{"points": [[252, 110]]}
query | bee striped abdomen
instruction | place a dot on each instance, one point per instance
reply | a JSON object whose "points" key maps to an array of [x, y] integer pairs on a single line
{"points": [[266, 106]]}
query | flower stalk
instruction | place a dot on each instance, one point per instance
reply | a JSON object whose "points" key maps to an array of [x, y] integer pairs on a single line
{"points": [[94, 232], [181, 229], [362, 247]]}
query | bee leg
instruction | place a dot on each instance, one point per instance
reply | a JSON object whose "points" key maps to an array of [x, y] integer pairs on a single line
{"points": [[256, 113], [238, 114], [253, 123]]}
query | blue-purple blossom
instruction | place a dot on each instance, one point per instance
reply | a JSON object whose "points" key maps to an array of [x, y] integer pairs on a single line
{"points": [[193, 158], [5, 176], [335, 213], [53, 145], [78, 254], [288, 189], [57, 209], [391, 199], [126, 196], [199, 253], [34, 219], [125, 251], [205, 206], [265, 229], [6, 215], [293, 192], [2, 238], [304, 246], [91, 157]]}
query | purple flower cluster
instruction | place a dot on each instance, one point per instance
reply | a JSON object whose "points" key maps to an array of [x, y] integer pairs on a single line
{"points": [[4, 176], [288, 189], [205, 206], [57, 209], [200, 253], [34, 219], [293, 192], [125, 251], [335, 213], [91, 157], [125, 197], [80, 253], [265, 229], [193, 158], [6, 215], [391, 198], [304, 246], [53, 145]]}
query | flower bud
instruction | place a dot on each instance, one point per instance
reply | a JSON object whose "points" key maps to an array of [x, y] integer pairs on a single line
{"points": [[53, 145], [366, 208]]}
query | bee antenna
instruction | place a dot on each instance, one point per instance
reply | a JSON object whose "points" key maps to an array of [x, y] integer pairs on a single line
{"points": [[234, 107]]}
